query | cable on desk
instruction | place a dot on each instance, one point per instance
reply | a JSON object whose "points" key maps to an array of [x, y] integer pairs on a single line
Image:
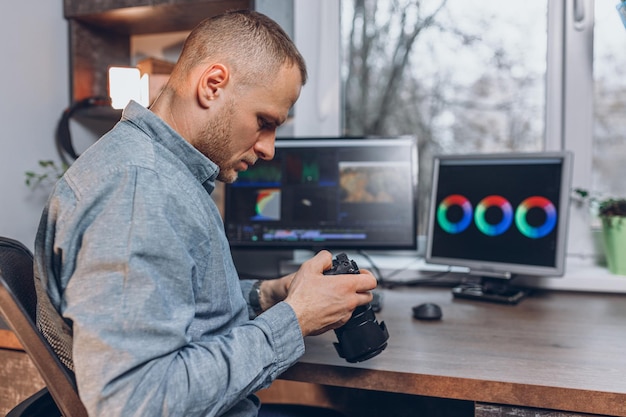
{"points": [[425, 279], [386, 282], [377, 273]]}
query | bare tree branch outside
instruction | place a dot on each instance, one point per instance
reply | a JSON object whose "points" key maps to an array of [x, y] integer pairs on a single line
{"points": [[461, 77]]}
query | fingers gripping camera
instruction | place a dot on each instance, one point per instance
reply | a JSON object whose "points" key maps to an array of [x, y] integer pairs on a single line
{"points": [[361, 338]]}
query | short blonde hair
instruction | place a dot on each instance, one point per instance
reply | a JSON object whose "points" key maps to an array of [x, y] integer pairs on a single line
{"points": [[253, 45]]}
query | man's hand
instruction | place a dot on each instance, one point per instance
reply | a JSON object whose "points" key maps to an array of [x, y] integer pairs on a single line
{"points": [[322, 302], [274, 291]]}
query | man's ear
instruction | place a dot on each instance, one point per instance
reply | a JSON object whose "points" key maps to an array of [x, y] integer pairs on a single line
{"points": [[212, 81]]}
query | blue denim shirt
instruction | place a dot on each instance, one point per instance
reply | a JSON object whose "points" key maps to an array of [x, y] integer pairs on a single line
{"points": [[132, 253]]}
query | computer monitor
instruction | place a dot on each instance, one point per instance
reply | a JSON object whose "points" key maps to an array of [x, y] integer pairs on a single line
{"points": [[499, 215], [327, 193]]}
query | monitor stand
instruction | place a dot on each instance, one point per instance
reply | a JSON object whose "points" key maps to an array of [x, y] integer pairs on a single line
{"points": [[496, 290], [261, 264]]}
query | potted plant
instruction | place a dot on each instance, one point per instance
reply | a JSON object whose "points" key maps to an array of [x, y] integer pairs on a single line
{"points": [[51, 172], [612, 214]]}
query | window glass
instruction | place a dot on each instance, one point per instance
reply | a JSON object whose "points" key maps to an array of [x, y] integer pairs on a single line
{"points": [[609, 129], [462, 76]]}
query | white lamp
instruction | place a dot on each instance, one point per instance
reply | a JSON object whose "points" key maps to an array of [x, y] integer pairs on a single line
{"points": [[127, 84]]}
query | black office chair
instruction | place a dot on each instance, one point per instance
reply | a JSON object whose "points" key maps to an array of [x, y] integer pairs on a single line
{"points": [[18, 305]]}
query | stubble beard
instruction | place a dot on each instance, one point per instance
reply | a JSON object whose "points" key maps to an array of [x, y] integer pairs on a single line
{"points": [[215, 142]]}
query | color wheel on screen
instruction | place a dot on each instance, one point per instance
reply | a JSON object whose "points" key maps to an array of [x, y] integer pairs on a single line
{"points": [[505, 208], [442, 213], [535, 232]]}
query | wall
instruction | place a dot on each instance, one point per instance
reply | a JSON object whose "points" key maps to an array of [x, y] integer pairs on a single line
{"points": [[35, 90]]}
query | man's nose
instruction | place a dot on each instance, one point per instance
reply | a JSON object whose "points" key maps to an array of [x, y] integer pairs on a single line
{"points": [[264, 147]]}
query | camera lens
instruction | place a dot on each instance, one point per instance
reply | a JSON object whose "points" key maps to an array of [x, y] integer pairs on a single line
{"points": [[362, 337]]}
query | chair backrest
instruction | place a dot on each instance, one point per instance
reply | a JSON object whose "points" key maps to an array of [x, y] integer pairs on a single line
{"points": [[18, 305]]}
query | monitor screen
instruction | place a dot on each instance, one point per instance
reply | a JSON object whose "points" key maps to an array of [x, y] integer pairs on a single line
{"points": [[500, 214], [325, 193]]}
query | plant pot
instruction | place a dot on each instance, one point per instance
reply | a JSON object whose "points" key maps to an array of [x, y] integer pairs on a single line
{"points": [[614, 234]]}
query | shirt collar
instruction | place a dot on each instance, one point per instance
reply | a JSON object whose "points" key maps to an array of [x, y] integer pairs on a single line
{"points": [[201, 167]]}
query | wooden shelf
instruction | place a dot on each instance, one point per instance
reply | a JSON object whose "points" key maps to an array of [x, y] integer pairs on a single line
{"points": [[100, 33], [142, 17]]}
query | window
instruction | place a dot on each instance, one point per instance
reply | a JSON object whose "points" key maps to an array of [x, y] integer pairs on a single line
{"points": [[462, 76]]}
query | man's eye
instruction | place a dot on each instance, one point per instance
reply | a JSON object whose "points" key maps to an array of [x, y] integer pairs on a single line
{"points": [[265, 125]]}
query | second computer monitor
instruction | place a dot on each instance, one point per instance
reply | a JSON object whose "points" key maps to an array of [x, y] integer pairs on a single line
{"points": [[500, 214]]}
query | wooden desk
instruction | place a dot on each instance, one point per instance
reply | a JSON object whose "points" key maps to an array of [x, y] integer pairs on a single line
{"points": [[554, 351]]}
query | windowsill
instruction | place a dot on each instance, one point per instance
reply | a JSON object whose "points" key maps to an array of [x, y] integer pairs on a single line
{"points": [[580, 275]]}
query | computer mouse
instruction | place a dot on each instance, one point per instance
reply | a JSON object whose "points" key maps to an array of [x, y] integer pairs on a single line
{"points": [[427, 311]]}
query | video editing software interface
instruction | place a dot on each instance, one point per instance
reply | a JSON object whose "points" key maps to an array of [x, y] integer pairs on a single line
{"points": [[327, 193], [508, 213]]}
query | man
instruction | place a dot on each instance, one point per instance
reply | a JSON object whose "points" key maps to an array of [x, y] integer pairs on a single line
{"points": [[132, 254]]}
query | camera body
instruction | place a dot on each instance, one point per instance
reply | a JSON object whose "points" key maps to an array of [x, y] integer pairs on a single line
{"points": [[362, 337]]}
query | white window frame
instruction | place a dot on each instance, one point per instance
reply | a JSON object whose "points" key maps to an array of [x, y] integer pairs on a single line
{"points": [[317, 31], [569, 104]]}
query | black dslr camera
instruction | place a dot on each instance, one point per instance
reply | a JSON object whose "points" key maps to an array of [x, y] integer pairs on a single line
{"points": [[361, 338]]}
